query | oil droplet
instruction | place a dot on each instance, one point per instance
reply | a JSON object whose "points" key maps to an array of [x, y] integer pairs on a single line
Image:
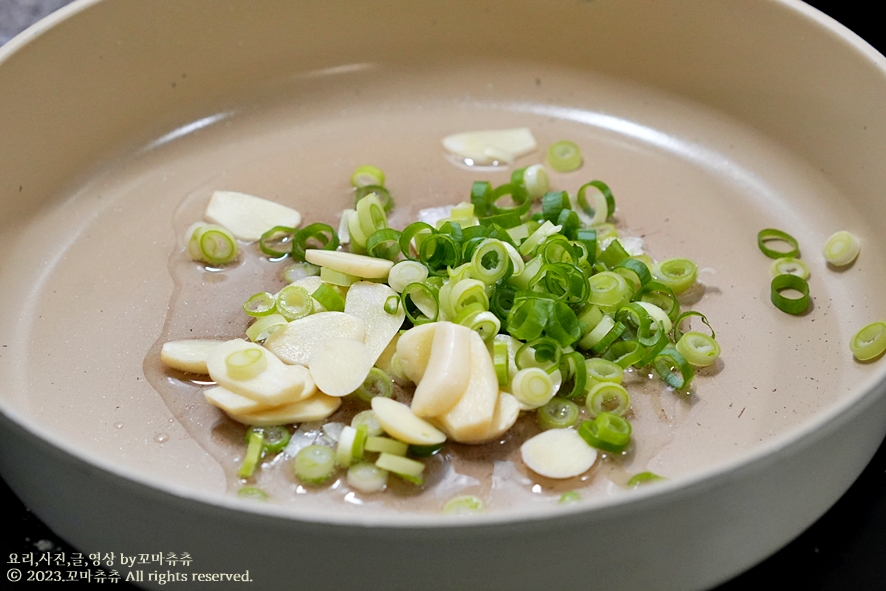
{"points": [[161, 437], [118, 425]]}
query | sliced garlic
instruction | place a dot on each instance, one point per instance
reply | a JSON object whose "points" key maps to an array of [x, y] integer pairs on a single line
{"points": [[248, 217], [558, 453]]}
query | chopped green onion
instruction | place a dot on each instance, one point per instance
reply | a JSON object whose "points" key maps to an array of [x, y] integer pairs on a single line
{"points": [[608, 290], [263, 327], [634, 271], [607, 397], [260, 304], [384, 244], [463, 505], [626, 353], [773, 235], [425, 451], [791, 305], [841, 248], [329, 298], [673, 368], [277, 242], [491, 261], [383, 195], [534, 178], [386, 445], [678, 334], [604, 202], [276, 437], [392, 304], [406, 272], [350, 445], [558, 413], [377, 383], [564, 156], [484, 323], [317, 235], [603, 370], [501, 361], [532, 387], [608, 432], [297, 271], [569, 497], [698, 348], [869, 342], [368, 418], [334, 277], [212, 244], [678, 274], [420, 297], [405, 468], [789, 266], [253, 453], [367, 175], [643, 478], [245, 364], [253, 493], [573, 368], [294, 302], [314, 464], [367, 478], [370, 219]]}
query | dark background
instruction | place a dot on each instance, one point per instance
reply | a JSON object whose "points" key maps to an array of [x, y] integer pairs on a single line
{"points": [[845, 549]]}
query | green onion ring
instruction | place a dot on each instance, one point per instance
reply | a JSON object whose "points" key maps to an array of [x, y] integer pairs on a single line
{"points": [[384, 244], [377, 383], [564, 156], [608, 432], [408, 304], [607, 397], [260, 304], [772, 235], [417, 231], [294, 302], [558, 413], [312, 235], [329, 298], [673, 368], [699, 349], [869, 342], [790, 305], [384, 196], [273, 241]]}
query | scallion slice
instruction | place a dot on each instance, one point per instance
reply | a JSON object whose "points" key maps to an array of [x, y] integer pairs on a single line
{"points": [[608, 432], [564, 156], [791, 305], [367, 478], [381, 193], [317, 235], [698, 348], [841, 248], [264, 326], [532, 387], [314, 464], [789, 266], [406, 272], [678, 274], [212, 244], [558, 413], [367, 175], [253, 454], [276, 437], [673, 368], [643, 478], [607, 397], [294, 302], [407, 469], [773, 235], [603, 201], [277, 242], [869, 342], [463, 505], [377, 383], [329, 298], [603, 370], [260, 304]]}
